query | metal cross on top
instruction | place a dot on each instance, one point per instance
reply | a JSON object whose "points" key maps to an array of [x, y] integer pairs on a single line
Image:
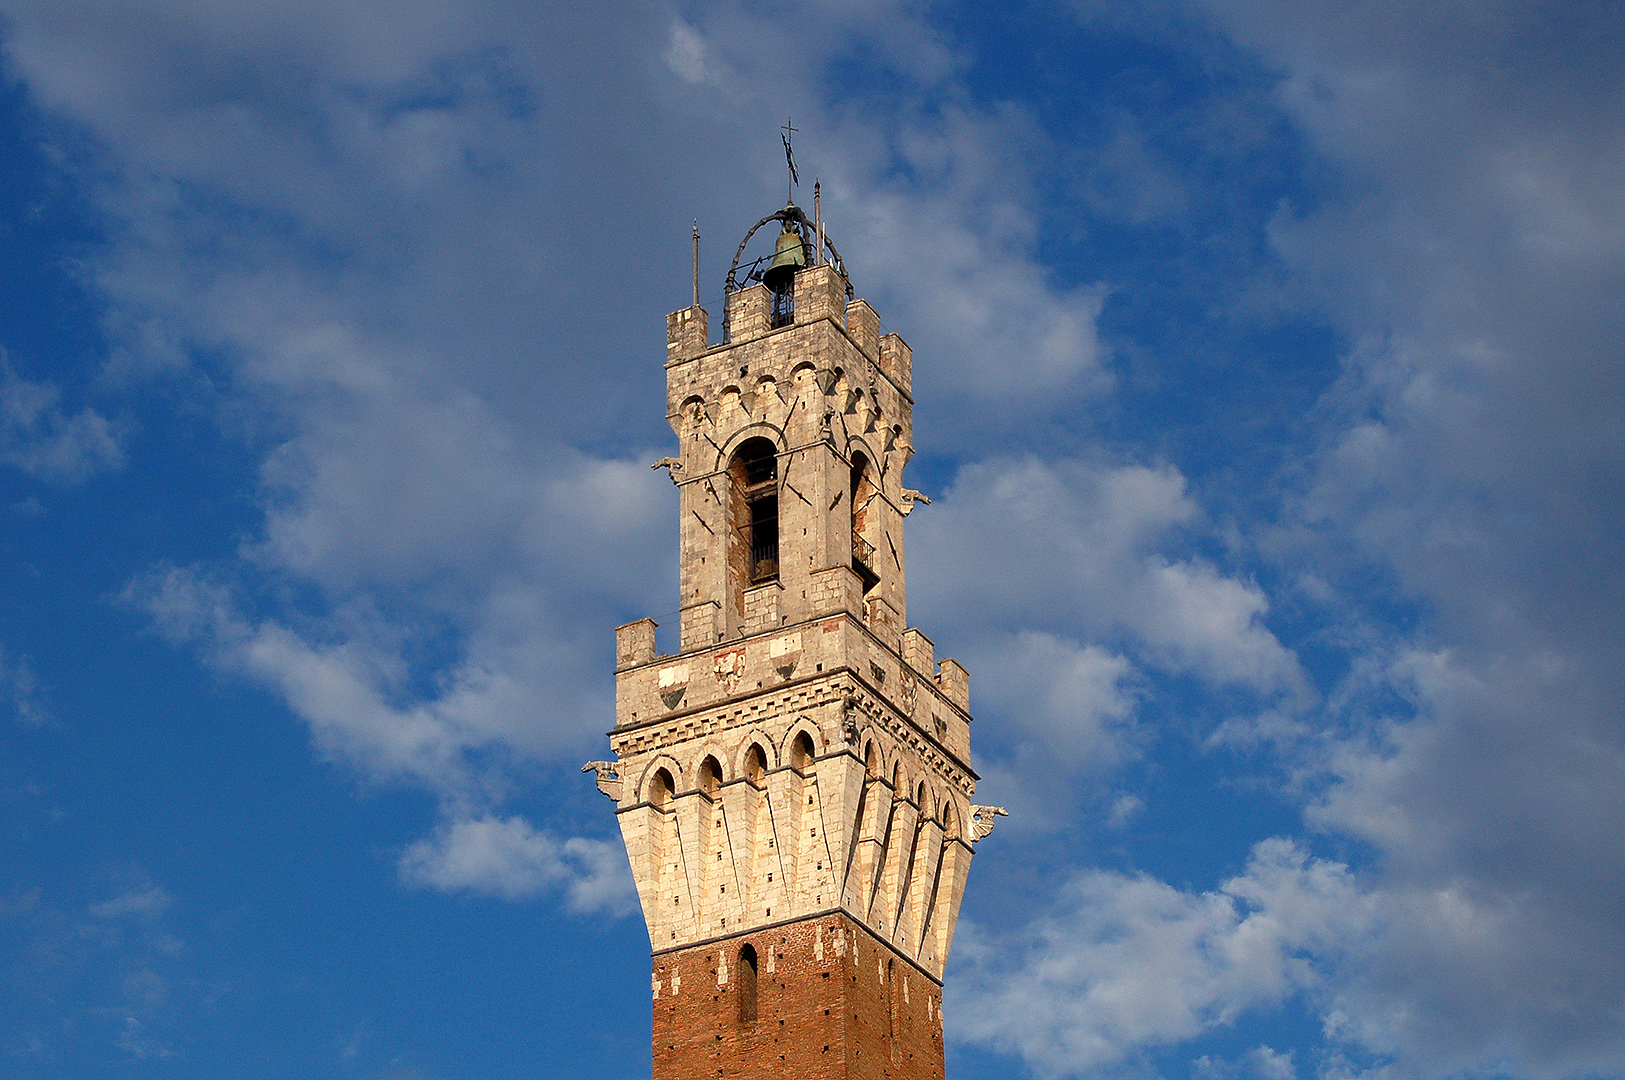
{"points": [[790, 160]]}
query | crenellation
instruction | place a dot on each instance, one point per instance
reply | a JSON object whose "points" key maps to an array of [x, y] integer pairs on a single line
{"points": [[863, 324], [897, 362], [820, 293], [747, 314], [686, 333]]}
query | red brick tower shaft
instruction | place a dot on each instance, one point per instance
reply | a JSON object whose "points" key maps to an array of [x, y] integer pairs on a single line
{"points": [[816, 999]]}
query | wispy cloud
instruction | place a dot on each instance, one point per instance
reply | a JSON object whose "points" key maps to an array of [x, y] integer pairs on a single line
{"points": [[507, 857], [40, 440]]}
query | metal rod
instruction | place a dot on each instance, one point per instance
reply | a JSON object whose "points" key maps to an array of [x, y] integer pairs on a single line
{"points": [[696, 262], [818, 228]]}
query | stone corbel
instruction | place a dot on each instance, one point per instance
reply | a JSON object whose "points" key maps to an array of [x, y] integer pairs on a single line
{"points": [[982, 820], [609, 780]]}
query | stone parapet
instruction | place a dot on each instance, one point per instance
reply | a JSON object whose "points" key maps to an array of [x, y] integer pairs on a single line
{"points": [[897, 361], [863, 324], [686, 334], [732, 670], [820, 293], [747, 313], [634, 644]]}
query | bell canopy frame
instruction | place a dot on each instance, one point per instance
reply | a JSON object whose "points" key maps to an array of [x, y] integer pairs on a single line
{"points": [[794, 221]]}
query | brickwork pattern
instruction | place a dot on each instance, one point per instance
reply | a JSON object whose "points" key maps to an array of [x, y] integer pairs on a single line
{"points": [[831, 1002]]}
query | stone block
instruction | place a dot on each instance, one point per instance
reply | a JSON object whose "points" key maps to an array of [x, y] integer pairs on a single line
{"points": [[820, 293], [634, 643], [687, 335], [919, 652], [748, 312], [897, 362], [954, 681], [864, 325]]}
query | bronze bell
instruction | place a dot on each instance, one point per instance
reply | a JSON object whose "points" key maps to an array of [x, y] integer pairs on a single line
{"points": [[789, 255]]}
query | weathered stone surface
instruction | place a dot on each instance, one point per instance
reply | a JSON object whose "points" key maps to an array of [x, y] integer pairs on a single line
{"points": [[797, 778]]}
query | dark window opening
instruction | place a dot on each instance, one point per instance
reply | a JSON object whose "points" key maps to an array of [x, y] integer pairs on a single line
{"points": [[747, 984], [760, 463], [863, 552], [764, 539], [755, 476]]}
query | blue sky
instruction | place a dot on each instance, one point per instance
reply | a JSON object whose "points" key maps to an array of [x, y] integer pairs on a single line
{"points": [[1267, 360]]}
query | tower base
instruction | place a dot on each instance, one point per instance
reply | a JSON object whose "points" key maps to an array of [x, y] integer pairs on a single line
{"points": [[820, 998]]}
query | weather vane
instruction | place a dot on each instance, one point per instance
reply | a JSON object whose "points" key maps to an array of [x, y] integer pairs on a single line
{"points": [[790, 160]]}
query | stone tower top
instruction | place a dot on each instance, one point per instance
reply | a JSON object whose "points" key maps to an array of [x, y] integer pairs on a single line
{"points": [[803, 757]]}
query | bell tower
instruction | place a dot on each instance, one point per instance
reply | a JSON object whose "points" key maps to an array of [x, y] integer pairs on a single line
{"points": [[794, 784]]}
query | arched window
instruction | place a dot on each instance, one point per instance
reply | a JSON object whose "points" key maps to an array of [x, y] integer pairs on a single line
{"points": [[660, 789], [747, 984], [753, 516], [871, 762], [756, 765], [710, 777], [802, 753], [863, 492]]}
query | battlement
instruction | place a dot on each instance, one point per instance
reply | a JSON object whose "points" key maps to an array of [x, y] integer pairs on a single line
{"points": [[655, 690]]}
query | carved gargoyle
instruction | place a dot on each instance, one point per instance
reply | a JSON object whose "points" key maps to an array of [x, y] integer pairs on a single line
{"points": [[849, 716], [609, 780], [910, 497], [981, 820]]}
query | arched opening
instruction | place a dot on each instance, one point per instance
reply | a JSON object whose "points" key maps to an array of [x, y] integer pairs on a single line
{"points": [[802, 753], [660, 789], [919, 798], [747, 984], [756, 765], [710, 777], [950, 821], [871, 762], [897, 782], [862, 494], [753, 517]]}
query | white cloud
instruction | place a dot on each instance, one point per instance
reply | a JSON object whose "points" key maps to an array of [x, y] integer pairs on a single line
{"points": [[1269, 1064], [938, 225], [1075, 702], [1124, 809], [1077, 546], [507, 857], [137, 903], [39, 439], [1121, 963], [19, 689], [346, 681], [688, 56]]}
